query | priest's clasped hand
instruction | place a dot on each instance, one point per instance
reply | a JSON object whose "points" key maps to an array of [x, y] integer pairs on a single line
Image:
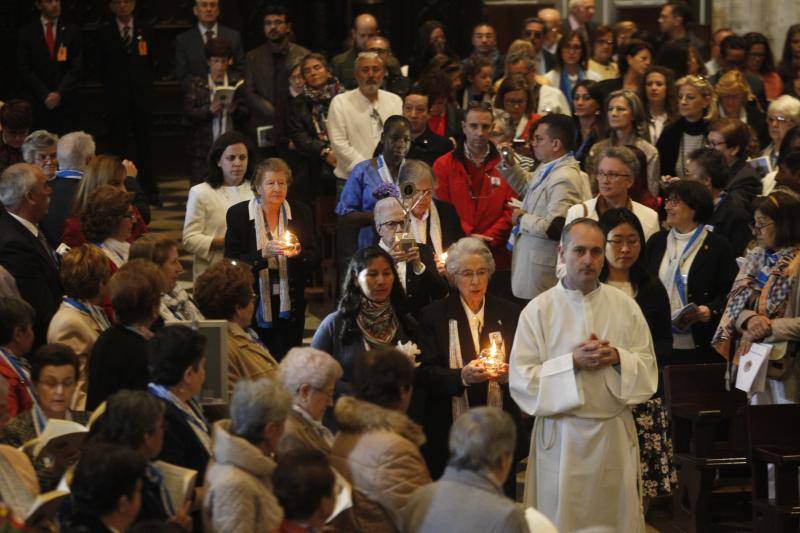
{"points": [[594, 353]]}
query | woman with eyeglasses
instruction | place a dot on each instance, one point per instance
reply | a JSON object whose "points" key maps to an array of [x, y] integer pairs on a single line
{"points": [[454, 333], [782, 115], [625, 269], [514, 98], [371, 313], [624, 117], [764, 303], [572, 55], [617, 169], [107, 222], [659, 99], [54, 376], [761, 63], [39, 149], [276, 239], [603, 47], [731, 138], [697, 268], [697, 106]]}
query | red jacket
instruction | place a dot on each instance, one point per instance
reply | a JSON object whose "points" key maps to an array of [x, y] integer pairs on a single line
{"points": [[489, 214], [19, 400]]}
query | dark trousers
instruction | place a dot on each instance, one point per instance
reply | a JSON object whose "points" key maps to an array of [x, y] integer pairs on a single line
{"points": [[285, 333], [123, 120]]}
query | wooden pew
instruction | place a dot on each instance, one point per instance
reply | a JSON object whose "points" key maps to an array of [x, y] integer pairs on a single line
{"points": [[774, 438], [709, 439]]}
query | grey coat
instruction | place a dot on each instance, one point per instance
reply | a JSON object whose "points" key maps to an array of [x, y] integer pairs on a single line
{"points": [[533, 263], [463, 501]]}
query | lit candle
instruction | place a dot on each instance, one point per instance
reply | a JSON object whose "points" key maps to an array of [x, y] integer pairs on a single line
{"points": [[489, 357], [443, 257], [289, 239]]}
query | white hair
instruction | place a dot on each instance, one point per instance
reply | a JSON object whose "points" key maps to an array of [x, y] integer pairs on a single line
{"points": [[36, 141], [414, 170], [308, 366], [255, 404], [462, 248], [16, 182], [364, 56], [786, 105], [480, 438], [74, 149]]}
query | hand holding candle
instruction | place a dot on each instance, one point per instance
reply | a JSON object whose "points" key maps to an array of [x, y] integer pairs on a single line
{"points": [[291, 244], [493, 358]]}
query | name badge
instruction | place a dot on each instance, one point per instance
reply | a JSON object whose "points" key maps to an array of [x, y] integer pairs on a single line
{"points": [[495, 181], [61, 55], [142, 48], [276, 289]]}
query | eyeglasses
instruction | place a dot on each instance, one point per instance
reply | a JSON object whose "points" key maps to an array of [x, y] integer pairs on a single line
{"points": [[611, 175], [534, 34], [392, 224], [755, 228], [672, 200], [777, 119], [714, 144], [474, 274], [516, 101], [573, 48], [619, 243]]}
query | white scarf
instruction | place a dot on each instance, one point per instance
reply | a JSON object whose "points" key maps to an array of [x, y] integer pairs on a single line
{"points": [[116, 250], [264, 316], [191, 411], [436, 229]]}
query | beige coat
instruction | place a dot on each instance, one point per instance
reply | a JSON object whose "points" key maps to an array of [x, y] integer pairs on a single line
{"points": [[377, 451], [247, 359], [239, 496], [79, 331], [299, 432]]}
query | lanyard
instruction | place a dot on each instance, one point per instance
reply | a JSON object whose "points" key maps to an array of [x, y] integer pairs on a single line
{"points": [[158, 478], [770, 259], [383, 170], [194, 416], [677, 277], [545, 172], [12, 361], [72, 174]]}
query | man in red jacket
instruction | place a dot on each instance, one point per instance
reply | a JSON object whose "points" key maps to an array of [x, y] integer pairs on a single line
{"points": [[468, 180]]}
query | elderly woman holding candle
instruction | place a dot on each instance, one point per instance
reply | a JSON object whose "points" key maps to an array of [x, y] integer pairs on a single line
{"points": [[464, 339], [276, 239]]}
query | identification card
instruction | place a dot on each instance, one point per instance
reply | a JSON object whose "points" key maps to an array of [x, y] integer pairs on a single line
{"points": [[142, 48], [495, 180], [61, 55]]}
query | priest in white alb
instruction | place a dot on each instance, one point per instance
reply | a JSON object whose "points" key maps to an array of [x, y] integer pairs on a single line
{"points": [[582, 357]]}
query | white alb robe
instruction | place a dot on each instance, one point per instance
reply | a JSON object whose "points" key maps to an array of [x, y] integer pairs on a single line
{"points": [[583, 469]]}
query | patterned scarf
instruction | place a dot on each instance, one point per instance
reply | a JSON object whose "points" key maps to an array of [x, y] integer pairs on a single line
{"points": [[377, 322], [320, 100], [764, 283], [178, 305], [264, 313]]}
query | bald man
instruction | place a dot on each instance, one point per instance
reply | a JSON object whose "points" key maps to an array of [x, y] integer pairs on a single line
{"points": [[365, 26], [552, 20]]}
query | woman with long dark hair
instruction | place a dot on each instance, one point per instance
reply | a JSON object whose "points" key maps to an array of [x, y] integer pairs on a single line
{"points": [[659, 96], [761, 63], [572, 56], [625, 269], [587, 105], [791, 53]]}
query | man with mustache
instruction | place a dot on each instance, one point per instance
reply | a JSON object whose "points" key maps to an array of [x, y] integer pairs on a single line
{"points": [[266, 86], [581, 356]]}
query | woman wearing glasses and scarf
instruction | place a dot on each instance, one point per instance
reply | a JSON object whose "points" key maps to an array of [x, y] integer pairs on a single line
{"points": [[764, 302], [276, 239]]}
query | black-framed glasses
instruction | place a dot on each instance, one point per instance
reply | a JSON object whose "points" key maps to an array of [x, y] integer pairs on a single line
{"points": [[619, 243], [756, 228], [392, 224], [532, 33]]}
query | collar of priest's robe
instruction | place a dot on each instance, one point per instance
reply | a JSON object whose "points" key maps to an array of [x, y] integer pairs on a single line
{"points": [[576, 294]]}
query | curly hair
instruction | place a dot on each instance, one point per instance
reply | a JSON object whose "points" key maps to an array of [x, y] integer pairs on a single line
{"points": [[380, 376], [83, 269], [104, 211], [222, 289]]}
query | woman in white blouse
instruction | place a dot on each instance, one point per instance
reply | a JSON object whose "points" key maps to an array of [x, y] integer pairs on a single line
{"points": [[227, 184]]}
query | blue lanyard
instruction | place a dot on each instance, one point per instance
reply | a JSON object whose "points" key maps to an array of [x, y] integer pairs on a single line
{"points": [[156, 476], [678, 278], [770, 259], [161, 392], [72, 174], [23, 375], [72, 302], [546, 172]]}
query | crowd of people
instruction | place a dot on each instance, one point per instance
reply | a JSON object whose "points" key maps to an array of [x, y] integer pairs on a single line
{"points": [[524, 241]]}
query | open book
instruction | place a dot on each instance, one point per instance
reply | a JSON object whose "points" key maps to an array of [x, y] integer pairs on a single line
{"points": [[224, 94], [58, 436], [343, 494], [45, 507], [179, 482]]}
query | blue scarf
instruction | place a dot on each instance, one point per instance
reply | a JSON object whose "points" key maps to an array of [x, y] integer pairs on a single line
{"points": [[565, 85]]}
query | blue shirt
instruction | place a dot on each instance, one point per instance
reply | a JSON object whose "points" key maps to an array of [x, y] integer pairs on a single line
{"points": [[357, 196]]}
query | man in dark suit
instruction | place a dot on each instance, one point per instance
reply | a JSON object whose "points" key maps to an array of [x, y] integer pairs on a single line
{"points": [[190, 56], [266, 86], [50, 60], [125, 59], [674, 20], [415, 264], [580, 17], [534, 30], [24, 251], [425, 145]]}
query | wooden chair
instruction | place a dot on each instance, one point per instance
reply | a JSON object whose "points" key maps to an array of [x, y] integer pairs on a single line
{"points": [[708, 437], [774, 439]]}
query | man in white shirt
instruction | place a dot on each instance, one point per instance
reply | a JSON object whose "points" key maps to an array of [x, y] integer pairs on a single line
{"points": [[355, 118], [582, 356]]}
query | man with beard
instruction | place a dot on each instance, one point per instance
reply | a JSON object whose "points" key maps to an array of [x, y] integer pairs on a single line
{"points": [[266, 86], [355, 118]]}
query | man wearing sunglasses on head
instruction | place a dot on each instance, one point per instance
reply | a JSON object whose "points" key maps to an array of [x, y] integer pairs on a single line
{"points": [[534, 30]]}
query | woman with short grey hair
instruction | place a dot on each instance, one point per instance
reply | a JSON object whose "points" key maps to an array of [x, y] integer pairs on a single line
{"points": [[238, 482], [464, 340], [617, 168], [434, 223], [310, 376], [39, 149]]}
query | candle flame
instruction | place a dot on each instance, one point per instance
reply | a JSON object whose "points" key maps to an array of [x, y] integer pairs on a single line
{"points": [[493, 349]]}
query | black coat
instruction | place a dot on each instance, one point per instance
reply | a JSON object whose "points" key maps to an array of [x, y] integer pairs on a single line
{"points": [[190, 53], [429, 147], [443, 383], [669, 142], [425, 288], [118, 361], [744, 184], [710, 278], [654, 302], [449, 222], [731, 221], [127, 72], [34, 270], [42, 73], [181, 445]]}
